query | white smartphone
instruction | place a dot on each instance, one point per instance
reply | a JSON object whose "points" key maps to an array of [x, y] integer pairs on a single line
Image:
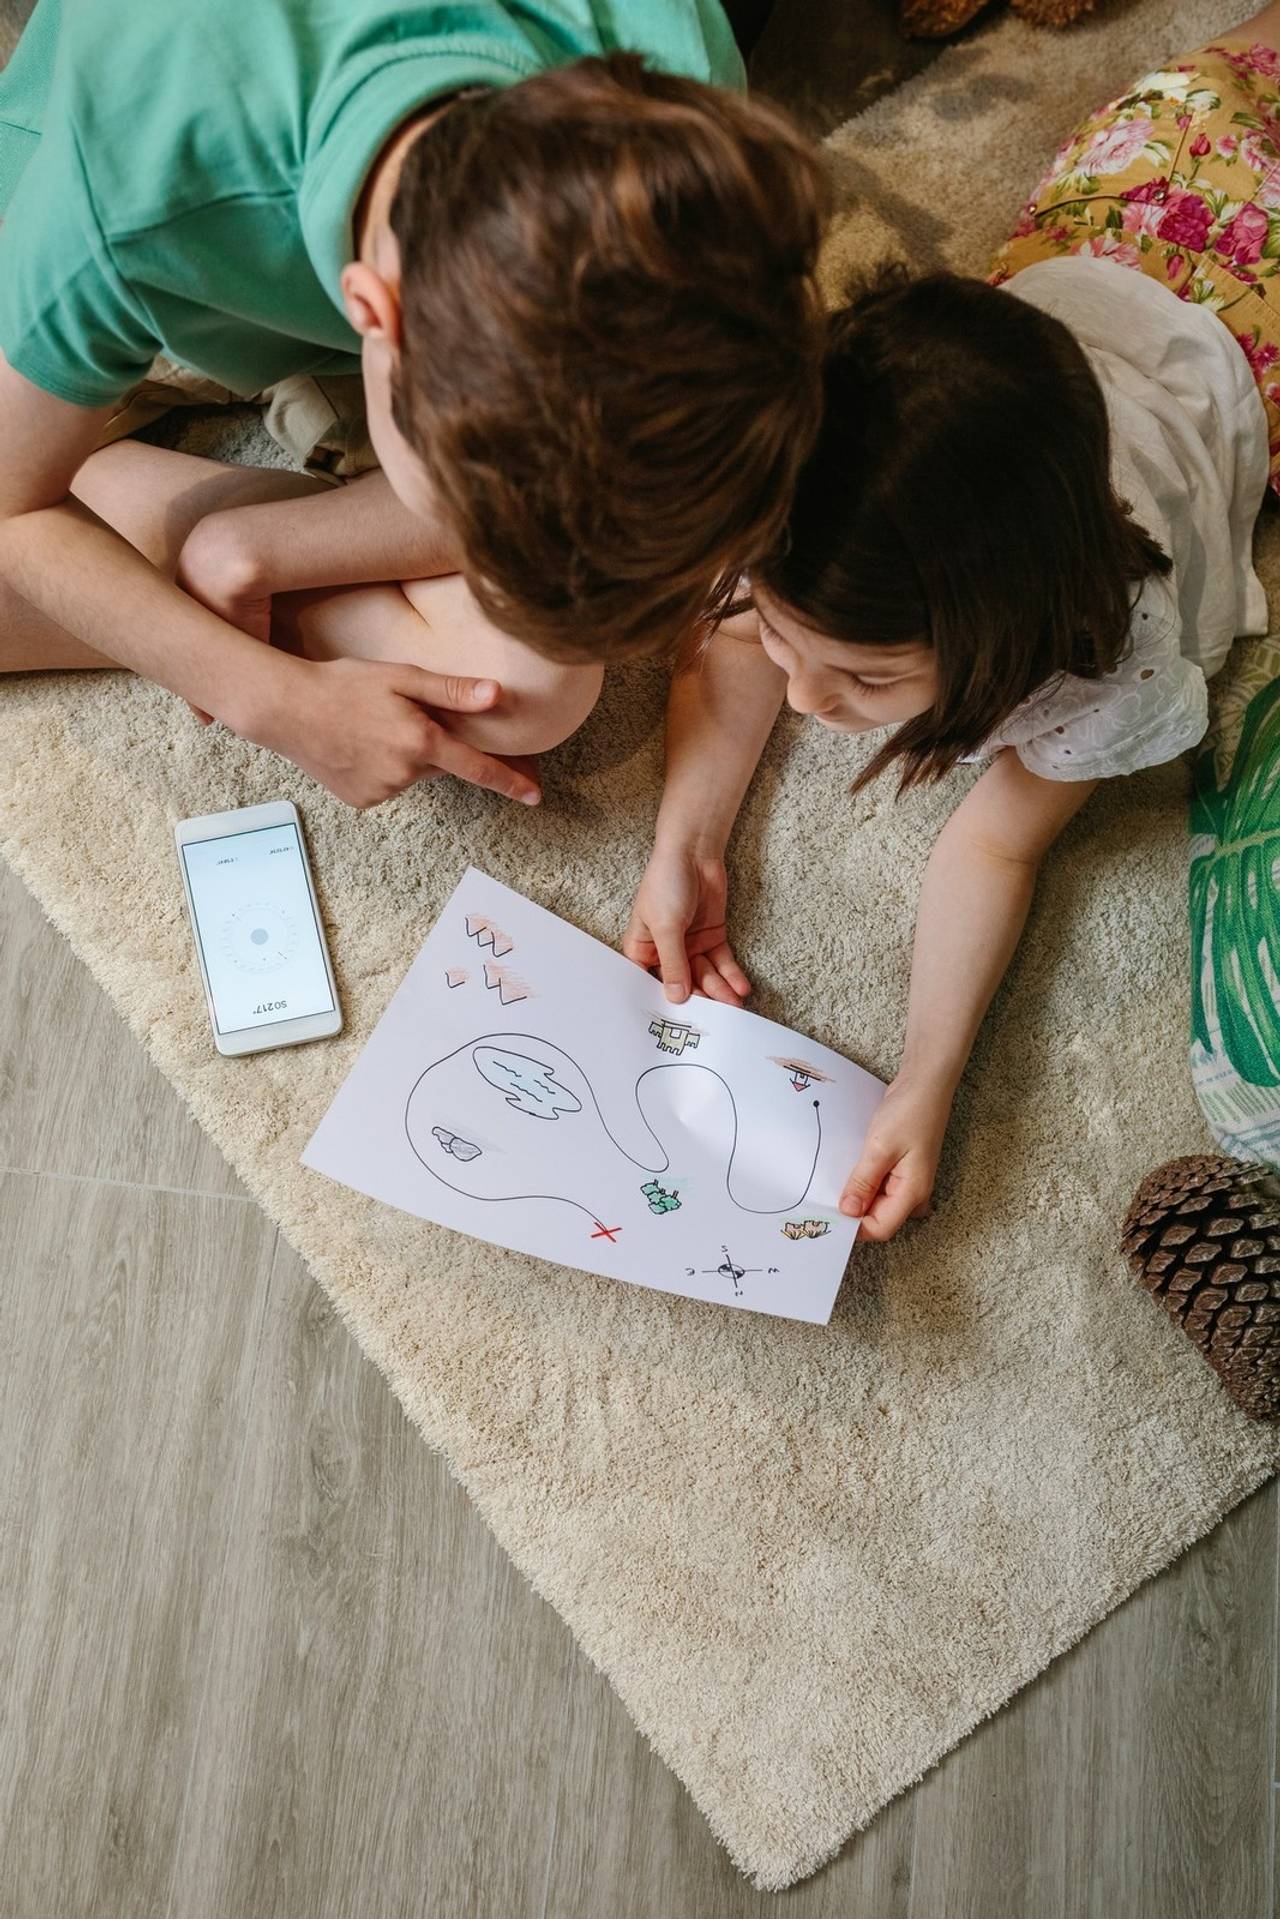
{"points": [[263, 959]]}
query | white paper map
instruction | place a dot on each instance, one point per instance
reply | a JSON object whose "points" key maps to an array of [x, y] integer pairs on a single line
{"points": [[531, 1087]]}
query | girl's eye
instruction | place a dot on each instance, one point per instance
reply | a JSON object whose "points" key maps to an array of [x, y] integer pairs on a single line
{"points": [[770, 633]]}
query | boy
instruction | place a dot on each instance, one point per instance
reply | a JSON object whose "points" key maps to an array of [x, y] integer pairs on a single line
{"points": [[581, 291]]}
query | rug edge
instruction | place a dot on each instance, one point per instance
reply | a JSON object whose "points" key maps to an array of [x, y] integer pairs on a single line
{"points": [[779, 1879], [769, 1869]]}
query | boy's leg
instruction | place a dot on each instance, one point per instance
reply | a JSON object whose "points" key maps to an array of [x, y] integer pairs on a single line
{"points": [[436, 624], [152, 497]]}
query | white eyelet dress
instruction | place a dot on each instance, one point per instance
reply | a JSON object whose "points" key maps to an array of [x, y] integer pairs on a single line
{"points": [[1190, 457]]}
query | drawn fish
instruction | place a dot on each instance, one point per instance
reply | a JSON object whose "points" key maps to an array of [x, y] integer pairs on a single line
{"points": [[463, 1149]]}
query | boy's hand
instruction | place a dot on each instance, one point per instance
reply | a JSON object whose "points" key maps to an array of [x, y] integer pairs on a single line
{"points": [[678, 926], [894, 1176], [364, 729]]}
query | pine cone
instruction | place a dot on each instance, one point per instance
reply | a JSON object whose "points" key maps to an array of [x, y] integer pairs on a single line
{"points": [[1203, 1236], [935, 19], [1052, 13]]}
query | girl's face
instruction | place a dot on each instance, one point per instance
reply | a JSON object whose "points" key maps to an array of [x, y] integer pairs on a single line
{"points": [[847, 687]]}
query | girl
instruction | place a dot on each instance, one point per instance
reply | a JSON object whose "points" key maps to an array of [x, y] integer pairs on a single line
{"points": [[1023, 537]]}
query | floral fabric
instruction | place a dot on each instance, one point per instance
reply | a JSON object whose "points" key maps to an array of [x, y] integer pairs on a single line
{"points": [[1179, 179]]}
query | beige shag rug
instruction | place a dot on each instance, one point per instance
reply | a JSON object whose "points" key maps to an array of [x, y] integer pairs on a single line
{"points": [[810, 1559]]}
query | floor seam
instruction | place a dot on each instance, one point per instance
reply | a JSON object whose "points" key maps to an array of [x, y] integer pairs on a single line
{"points": [[570, 1681], [128, 1185], [233, 1511]]}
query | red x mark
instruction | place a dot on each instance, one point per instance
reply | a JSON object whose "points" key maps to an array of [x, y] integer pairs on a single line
{"points": [[606, 1232]]}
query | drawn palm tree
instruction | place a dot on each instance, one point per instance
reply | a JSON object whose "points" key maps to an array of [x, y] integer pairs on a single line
{"points": [[1235, 902]]}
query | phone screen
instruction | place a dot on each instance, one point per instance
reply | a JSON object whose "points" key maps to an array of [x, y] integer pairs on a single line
{"points": [[257, 928]]}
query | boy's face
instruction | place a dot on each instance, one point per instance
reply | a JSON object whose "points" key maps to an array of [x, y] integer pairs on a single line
{"points": [[371, 295], [402, 466], [848, 687]]}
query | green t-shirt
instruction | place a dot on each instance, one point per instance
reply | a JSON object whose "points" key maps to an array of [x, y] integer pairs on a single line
{"points": [[179, 176]]}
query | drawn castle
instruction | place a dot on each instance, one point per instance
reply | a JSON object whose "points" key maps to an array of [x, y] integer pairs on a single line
{"points": [[674, 1035]]}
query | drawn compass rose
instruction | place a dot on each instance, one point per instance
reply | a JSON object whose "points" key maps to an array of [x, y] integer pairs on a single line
{"points": [[729, 1269]]}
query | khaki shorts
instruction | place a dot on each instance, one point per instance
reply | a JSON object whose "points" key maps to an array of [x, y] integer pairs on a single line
{"points": [[318, 419]]}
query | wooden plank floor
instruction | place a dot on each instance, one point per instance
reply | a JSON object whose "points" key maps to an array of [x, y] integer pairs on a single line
{"points": [[259, 1660]]}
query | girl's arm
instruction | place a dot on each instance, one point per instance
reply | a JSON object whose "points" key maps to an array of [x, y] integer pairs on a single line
{"points": [[973, 905], [723, 704]]}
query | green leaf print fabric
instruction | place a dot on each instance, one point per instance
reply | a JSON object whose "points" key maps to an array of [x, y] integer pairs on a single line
{"points": [[1235, 909]]}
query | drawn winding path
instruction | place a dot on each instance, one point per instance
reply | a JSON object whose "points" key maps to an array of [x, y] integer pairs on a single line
{"points": [[508, 1110]]}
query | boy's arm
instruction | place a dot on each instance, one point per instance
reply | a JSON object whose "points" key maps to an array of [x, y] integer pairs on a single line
{"points": [[724, 701], [359, 727], [236, 560], [973, 906]]}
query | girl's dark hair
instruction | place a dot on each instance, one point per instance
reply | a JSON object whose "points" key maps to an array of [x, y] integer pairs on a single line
{"points": [[959, 493]]}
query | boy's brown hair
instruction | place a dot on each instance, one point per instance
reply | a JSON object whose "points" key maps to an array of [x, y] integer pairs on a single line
{"points": [[959, 494], [612, 344]]}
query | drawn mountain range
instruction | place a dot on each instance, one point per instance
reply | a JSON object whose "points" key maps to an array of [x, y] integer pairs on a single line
{"points": [[482, 930], [509, 987]]}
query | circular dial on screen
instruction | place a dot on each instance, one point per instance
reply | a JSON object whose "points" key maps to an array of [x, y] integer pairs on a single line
{"points": [[259, 936]]}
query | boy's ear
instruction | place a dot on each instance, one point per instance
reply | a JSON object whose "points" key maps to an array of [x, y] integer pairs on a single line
{"points": [[372, 304]]}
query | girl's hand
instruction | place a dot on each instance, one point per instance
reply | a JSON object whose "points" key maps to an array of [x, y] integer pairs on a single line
{"points": [[677, 926], [893, 1179]]}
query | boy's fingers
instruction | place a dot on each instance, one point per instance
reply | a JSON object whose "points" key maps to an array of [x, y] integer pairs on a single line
{"points": [[527, 763], [481, 769], [452, 691]]}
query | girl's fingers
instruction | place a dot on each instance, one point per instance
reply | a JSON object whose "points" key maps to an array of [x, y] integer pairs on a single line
{"points": [[639, 948], [674, 962], [893, 1207], [723, 960], [886, 1215], [865, 1180], [708, 980]]}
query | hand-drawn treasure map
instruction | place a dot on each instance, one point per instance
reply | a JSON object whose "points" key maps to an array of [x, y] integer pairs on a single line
{"points": [[529, 1086]]}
